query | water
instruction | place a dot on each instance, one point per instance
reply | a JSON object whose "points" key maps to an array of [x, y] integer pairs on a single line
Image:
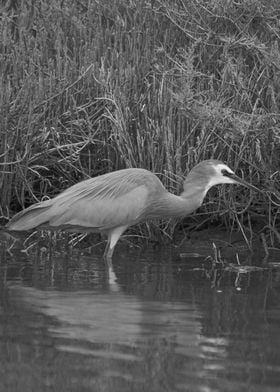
{"points": [[158, 322]]}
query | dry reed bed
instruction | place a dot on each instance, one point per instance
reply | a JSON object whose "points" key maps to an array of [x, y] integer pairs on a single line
{"points": [[89, 87]]}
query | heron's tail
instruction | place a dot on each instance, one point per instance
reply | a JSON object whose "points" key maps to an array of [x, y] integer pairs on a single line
{"points": [[30, 218]]}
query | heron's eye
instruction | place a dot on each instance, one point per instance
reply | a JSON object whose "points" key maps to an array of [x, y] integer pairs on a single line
{"points": [[226, 173]]}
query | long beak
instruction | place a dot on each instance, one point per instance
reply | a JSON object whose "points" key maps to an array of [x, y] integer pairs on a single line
{"points": [[240, 181]]}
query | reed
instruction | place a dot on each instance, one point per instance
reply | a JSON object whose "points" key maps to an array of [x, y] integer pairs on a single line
{"points": [[89, 87]]}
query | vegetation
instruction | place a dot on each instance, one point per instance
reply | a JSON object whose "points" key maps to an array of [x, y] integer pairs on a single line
{"points": [[89, 87]]}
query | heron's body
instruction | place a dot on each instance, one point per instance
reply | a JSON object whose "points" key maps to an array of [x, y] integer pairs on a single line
{"points": [[112, 202]]}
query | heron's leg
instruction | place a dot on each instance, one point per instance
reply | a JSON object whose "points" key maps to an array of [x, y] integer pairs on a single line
{"points": [[106, 251], [107, 256], [113, 237]]}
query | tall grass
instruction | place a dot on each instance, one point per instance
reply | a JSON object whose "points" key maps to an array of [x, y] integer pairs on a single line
{"points": [[89, 87]]}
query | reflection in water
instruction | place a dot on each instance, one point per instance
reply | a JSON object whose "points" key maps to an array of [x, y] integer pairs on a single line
{"points": [[159, 325], [114, 319]]}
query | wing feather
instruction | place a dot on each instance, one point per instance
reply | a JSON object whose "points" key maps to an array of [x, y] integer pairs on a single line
{"points": [[111, 185], [103, 213], [111, 200]]}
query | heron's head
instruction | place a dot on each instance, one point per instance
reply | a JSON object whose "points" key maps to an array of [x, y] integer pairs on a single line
{"points": [[213, 172]]}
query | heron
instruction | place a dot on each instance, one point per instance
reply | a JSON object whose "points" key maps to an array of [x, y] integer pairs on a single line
{"points": [[112, 202]]}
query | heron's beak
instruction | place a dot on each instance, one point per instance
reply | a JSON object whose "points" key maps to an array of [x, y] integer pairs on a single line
{"points": [[240, 181]]}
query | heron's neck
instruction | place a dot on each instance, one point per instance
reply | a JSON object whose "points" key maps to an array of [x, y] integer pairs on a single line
{"points": [[170, 205], [195, 193]]}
